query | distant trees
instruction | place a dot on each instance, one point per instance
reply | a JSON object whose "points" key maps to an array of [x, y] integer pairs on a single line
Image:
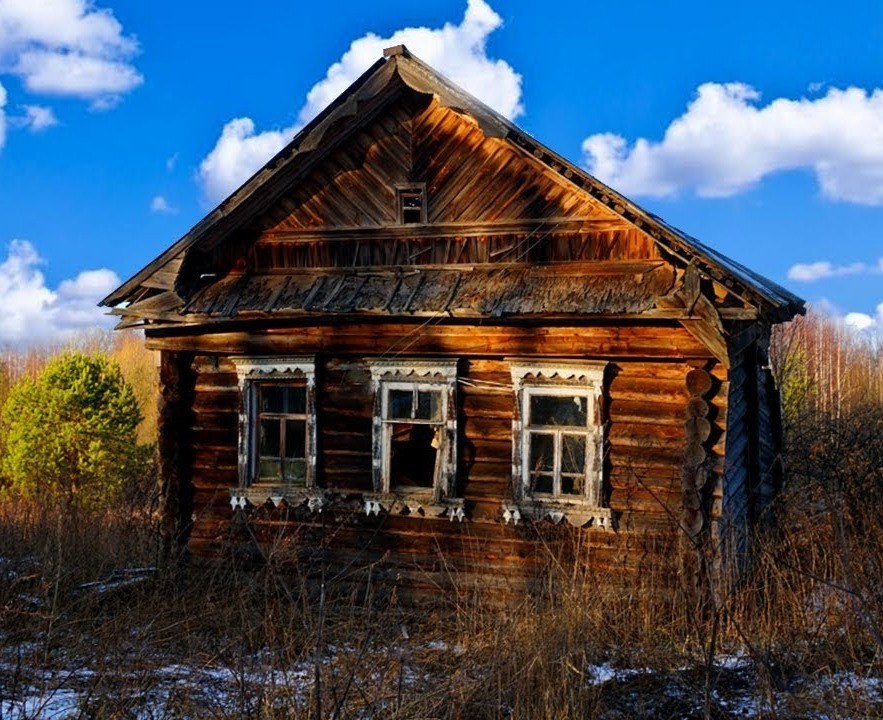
{"points": [[70, 431]]}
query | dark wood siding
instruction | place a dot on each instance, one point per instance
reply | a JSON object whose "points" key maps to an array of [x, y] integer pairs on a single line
{"points": [[645, 408]]}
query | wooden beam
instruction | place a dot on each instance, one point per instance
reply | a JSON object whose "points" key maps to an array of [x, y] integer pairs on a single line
{"points": [[439, 230]]}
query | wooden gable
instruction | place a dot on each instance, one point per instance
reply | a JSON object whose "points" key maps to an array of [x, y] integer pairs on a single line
{"points": [[309, 231]]}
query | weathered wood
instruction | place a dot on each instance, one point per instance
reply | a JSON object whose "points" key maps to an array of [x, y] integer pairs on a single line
{"points": [[174, 451]]}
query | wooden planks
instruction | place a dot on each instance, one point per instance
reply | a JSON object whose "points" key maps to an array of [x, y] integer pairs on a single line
{"points": [[642, 481]]}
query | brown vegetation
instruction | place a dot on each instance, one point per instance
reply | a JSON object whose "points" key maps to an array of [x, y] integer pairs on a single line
{"points": [[799, 635]]}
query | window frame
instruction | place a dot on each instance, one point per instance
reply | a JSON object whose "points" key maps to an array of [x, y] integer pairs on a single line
{"points": [[551, 378], [254, 372], [403, 189], [417, 375]]}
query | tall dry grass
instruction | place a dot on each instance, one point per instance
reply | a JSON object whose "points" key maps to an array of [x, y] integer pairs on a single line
{"points": [[77, 616]]}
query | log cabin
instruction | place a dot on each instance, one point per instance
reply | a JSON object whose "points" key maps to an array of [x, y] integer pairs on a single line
{"points": [[419, 344]]}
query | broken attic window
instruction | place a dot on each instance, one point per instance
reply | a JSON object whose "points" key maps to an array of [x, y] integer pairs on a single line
{"points": [[411, 202]]}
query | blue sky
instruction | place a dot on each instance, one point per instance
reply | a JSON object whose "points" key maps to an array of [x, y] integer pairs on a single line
{"points": [[756, 127]]}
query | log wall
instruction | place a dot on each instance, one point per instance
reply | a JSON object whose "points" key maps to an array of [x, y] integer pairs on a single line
{"points": [[646, 405]]}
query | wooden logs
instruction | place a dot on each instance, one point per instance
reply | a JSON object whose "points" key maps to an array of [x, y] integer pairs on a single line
{"points": [[697, 429]]}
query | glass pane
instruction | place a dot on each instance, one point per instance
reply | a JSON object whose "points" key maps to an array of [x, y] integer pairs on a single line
{"points": [[268, 469], [412, 456], [269, 442], [295, 439], [540, 483], [294, 399], [295, 472], [572, 484], [429, 405], [542, 451], [566, 410], [573, 454], [400, 402], [270, 398]]}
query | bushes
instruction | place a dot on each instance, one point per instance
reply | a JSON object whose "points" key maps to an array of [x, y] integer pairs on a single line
{"points": [[70, 432]]}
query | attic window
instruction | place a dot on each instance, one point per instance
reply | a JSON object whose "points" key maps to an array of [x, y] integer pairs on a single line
{"points": [[411, 203]]}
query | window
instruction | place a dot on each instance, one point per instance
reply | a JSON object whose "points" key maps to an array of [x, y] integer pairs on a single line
{"points": [[277, 426], [557, 448], [281, 433], [414, 427], [411, 203]]}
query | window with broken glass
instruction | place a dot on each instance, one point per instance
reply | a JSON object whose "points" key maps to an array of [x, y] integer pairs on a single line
{"points": [[413, 434], [414, 427]]}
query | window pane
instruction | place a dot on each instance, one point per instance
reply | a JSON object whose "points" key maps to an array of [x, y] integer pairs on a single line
{"points": [[400, 402], [270, 398], [542, 451], [295, 439], [295, 399], [295, 471], [428, 405], [412, 456], [269, 442], [573, 454], [268, 469], [566, 410], [540, 483], [572, 484]]}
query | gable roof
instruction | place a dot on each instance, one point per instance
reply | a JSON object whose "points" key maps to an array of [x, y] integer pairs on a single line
{"points": [[370, 91]]}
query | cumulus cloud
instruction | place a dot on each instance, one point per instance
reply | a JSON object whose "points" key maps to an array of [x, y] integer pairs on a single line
{"points": [[457, 51], [727, 141], [160, 205], [810, 272], [69, 48], [866, 324], [35, 118], [863, 322], [35, 313]]}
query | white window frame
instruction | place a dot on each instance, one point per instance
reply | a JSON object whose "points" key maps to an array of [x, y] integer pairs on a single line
{"points": [[252, 372], [428, 375], [565, 378]]}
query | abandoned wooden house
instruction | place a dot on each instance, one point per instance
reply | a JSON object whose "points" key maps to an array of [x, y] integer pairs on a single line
{"points": [[418, 339]]}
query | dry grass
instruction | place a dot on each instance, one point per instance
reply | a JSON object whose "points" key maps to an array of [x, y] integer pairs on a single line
{"points": [[796, 640]]}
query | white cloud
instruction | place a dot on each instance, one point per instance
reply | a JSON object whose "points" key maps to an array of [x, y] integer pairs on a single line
{"points": [[810, 272], [67, 47], [35, 118], [171, 162], [726, 142], [34, 313], [457, 51], [865, 323], [160, 205]]}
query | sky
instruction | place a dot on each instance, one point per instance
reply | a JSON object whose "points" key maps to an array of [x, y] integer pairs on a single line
{"points": [[756, 127]]}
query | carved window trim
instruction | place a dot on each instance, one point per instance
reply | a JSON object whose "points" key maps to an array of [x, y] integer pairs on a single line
{"points": [[423, 374], [252, 372], [531, 378]]}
